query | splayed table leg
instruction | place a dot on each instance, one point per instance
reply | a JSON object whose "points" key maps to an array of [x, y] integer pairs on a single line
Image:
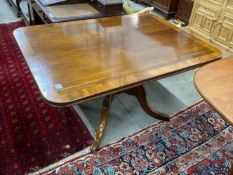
{"points": [[140, 93], [102, 123]]}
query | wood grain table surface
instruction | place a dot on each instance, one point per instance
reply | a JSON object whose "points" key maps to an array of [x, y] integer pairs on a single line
{"points": [[81, 60], [215, 84]]}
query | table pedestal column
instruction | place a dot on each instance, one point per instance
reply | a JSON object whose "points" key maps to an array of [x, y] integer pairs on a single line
{"points": [[102, 123], [140, 93]]}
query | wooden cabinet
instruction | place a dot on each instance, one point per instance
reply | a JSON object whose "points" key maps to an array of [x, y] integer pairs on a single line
{"points": [[167, 7], [161, 4], [212, 20], [205, 17], [146, 1], [42, 13], [223, 30], [184, 10]]}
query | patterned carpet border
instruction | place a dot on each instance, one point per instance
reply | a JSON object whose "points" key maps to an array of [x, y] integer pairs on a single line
{"points": [[32, 134], [86, 151], [132, 154]]}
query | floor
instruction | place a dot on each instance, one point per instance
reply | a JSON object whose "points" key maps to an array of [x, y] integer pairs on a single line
{"points": [[126, 116], [168, 95], [6, 13]]}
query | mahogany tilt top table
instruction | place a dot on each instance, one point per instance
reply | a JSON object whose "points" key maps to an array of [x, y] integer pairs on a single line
{"points": [[77, 61], [215, 84]]}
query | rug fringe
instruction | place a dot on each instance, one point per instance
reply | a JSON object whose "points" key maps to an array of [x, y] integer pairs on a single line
{"points": [[61, 162]]}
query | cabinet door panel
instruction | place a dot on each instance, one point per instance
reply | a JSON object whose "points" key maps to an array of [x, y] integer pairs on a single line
{"points": [[204, 18], [223, 33], [198, 20], [213, 20], [162, 3], [208, 24], [184, 10], [218, 2], [230, 4], [224, 30]]}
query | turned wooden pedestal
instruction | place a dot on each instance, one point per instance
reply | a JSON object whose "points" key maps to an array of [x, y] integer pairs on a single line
{"points": [[138, 92]]}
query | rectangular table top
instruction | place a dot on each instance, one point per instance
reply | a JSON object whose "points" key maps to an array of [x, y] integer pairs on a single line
{"points": [[76, 61]]}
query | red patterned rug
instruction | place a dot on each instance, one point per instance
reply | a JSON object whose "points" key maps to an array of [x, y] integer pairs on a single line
{"points": [[32, 134], [196, 141]]}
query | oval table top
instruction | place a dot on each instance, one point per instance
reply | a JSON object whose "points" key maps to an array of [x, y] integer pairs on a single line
{"points": [[215, 84]]}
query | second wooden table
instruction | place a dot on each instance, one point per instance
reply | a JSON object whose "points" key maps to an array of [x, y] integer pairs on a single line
{"points": [[215, 84]]}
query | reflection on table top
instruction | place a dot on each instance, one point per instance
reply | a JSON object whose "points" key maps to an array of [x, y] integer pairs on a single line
{"points": [[76, 61]]}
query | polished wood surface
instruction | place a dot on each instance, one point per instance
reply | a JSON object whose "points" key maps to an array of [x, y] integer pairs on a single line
{"points": [[215, 84], [81, 60]]}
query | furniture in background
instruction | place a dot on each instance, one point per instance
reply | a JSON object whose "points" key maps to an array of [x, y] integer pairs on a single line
{"points": [[109, 7], [15, 5], [25, 12], [100, 58], [167, 7], [215, 84], [63, 12], [184, 10], [212, 20], [50, 11], [130, 10]]}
